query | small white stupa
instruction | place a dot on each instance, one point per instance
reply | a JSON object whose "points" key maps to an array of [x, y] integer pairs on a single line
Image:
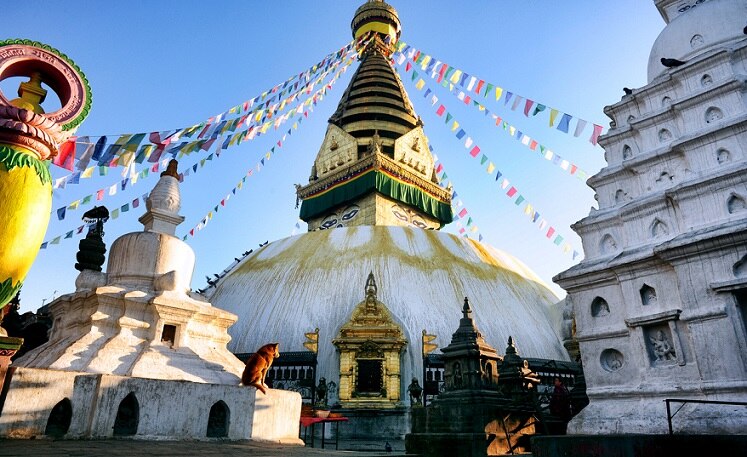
{"points": [[133, 352]]}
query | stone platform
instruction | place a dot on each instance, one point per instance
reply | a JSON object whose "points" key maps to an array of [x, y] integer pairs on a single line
{"points": [[160, 409], [128, 448]]}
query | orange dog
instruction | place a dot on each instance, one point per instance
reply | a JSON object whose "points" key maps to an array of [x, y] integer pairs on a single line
{"points": [[257, 366]]}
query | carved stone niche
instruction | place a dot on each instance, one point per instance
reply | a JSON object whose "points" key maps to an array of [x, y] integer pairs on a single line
{"points": [[660, 338], [370, 346]]}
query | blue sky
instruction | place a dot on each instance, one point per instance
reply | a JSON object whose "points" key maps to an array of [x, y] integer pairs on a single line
{"points": [[171, 64]]}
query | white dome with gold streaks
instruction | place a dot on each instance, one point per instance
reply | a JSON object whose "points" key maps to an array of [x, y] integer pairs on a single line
{"points": [[315, 280]]}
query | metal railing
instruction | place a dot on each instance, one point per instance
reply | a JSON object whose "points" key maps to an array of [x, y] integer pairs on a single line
{"points": [[670, 416]]}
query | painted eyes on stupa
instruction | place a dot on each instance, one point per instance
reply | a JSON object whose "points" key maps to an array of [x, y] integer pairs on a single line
{"points": [[400, 214], [329, 222], [350, 213], [419, 223]]}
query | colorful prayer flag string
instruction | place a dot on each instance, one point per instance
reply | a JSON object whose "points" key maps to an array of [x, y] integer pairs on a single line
{"points": [[444, 73], [259, 166], [319, 96], [122, 152], [456, 204], [524, 139], [510, 190]]}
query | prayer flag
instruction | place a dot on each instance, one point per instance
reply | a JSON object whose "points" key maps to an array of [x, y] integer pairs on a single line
{"points": [[475, 151], [61, 213], [478, 88], [440, 110], [498, 93], [580, 126], [100, 194], [66, 154], [460, 134], [511, 192], [99, 148], [468, 142], [507, 98], [593, 140], [86, 199], [518, 201], [550, 232], [491, 167], [517, 100], [87, 151], [528, 106], [537, 109], [558, 240], [563, 124], [56, 240], [553, 115], [463, 212]]}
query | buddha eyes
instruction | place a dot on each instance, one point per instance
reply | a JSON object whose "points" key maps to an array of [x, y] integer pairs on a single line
{"points": [[399, 214], [350, 213], [419, 223], [328, 223]]}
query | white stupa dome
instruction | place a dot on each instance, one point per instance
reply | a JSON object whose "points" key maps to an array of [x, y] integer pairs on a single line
{"points": [[698, 27], [314, 280]]}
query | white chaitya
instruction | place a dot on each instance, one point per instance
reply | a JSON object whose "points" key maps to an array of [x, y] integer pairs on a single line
{"points": [[137, 336], [660, 301]]}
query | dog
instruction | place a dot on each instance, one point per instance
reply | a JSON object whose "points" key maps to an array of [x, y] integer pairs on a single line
{"points": [[257, 366]]}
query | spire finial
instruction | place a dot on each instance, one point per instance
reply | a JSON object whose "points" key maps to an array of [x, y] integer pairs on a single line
{"points": [[466, 310], [371, 288], [172, 169]]}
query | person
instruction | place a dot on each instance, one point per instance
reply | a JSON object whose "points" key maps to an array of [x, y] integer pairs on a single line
{"points": [[560, 406]]}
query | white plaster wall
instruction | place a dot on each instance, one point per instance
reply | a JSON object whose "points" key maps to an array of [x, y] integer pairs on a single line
{"points": [[168, 409]]}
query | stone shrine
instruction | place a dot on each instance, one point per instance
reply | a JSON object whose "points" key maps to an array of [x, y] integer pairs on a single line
{"points": [[133, 352], [658, 308], [489, 405]]}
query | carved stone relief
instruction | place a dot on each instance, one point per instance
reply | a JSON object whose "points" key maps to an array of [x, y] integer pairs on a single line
{"points": [[696, 41], [627, 152], [723, 156], [713, 114], [659, 228], [611, 360], [666, 101], [664, 135], [599, 307], [608, 244], [621, 196], [706, 80], [648, 295], [659, 343]]}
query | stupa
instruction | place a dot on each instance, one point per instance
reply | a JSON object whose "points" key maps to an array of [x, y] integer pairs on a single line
{"points": [[133, 352], [660, 301], [374, 207]]}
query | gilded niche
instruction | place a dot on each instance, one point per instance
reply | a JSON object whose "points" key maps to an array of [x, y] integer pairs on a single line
{"points": [[370, 346]]}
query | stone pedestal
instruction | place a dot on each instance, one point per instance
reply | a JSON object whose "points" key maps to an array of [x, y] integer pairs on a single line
{"points": [[8, 347], [471, 424]]}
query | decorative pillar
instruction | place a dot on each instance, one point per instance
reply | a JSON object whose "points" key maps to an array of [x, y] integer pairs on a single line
{"points": [[28, 138]]}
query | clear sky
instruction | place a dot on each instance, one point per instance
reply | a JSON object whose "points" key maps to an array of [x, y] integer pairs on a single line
{"points": [[164, 65]]}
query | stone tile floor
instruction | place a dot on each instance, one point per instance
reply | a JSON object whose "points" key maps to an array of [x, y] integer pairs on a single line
{"points": [[135, 448]]}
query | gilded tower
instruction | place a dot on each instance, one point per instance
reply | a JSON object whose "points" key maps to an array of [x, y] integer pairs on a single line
{"points": [[374, 166]]}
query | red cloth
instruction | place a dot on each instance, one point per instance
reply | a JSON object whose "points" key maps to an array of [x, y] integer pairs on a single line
{"points": [[306, 421]]}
